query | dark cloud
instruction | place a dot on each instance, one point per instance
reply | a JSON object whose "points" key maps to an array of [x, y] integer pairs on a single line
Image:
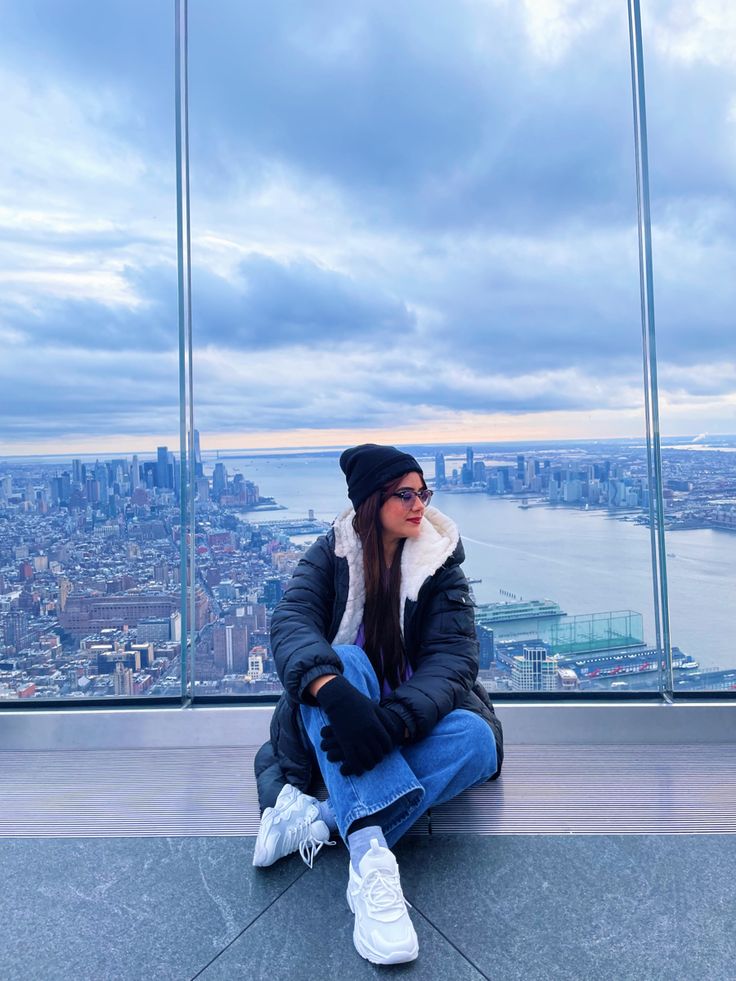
{"points": [[55, 392], [268, 305], [430, 116], [427, 115], [412, 117], [273, 304], [147, 321]]}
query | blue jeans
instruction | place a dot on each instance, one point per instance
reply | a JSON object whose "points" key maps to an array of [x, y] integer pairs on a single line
{"points": [[458, 753]]}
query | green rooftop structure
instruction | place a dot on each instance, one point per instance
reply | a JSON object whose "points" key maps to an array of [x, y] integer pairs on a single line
{"points": [[593, 632]]}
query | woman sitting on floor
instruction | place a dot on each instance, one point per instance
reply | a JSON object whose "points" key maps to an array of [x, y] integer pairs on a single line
{"points": [[374, 642]]}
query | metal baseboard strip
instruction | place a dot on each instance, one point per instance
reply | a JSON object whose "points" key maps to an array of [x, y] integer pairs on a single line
{"points": [[562, 789]]}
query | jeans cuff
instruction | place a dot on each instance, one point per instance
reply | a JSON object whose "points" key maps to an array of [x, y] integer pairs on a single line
{"points": [[401, 806]]}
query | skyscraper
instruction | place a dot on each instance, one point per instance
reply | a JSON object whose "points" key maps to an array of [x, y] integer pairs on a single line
{"points": [[439, 470], [219, 481], [466, 474], [123, 680], [162, 466], [135, 474], [101, 478]]}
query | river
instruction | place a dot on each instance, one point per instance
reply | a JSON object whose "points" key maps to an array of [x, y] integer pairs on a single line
{"points": [[587, 561]]}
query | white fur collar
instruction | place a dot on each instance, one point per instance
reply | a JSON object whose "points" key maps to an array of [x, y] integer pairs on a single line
{"points": [[421, 557]]}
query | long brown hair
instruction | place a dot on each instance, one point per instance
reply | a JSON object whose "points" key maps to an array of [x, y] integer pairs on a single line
{"points": [[384, 644]]}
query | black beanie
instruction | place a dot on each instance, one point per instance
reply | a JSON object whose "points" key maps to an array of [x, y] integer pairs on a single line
{"points": [[369, 466]]}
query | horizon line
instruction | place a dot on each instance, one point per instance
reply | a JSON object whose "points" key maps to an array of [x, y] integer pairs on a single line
{"points": [[335, 447]]}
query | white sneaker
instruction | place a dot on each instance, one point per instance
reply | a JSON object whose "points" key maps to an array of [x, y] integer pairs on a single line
{"points": [[293, 824], [383, 932]]}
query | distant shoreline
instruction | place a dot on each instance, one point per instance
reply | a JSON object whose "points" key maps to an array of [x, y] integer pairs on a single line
{"points": [[723, 443]]}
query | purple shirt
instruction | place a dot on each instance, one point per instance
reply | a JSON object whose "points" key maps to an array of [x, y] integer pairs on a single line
{"points": [[386, 688]]}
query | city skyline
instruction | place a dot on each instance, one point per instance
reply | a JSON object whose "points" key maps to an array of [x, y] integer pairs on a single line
{"points": [[91, 577], [409, 228]]}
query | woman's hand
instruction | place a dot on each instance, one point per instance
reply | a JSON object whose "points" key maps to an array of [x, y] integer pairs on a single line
{"points": [[361, 732]]}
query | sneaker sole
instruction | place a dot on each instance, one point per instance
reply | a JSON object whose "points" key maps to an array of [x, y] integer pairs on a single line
{"points": [[395, 957]]}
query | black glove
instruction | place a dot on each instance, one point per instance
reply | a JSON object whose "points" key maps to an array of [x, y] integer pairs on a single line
{"points": [[361, 732]]}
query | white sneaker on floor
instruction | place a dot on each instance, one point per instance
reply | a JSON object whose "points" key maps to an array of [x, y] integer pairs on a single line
{"points": [[383, 932], [292, 825]]}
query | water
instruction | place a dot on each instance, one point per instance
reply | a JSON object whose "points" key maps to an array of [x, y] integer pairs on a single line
{"points": [[585, 560]]}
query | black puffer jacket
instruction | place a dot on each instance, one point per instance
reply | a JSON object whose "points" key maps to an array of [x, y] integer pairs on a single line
{"points": [[323, 605]]}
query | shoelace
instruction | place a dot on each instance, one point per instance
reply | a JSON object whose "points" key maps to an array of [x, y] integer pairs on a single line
{"points": [[309, 846], [383, 890]]}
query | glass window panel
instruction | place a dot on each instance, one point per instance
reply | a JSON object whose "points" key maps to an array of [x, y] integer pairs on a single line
{"points": [[417, 225], [88, 460], [691, 93]]}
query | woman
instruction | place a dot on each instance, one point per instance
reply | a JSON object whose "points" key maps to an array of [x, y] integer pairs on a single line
{"points": [[374, 642]]}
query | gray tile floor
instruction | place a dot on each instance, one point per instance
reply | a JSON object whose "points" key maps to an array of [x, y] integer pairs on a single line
{"points": [[507, 908]]}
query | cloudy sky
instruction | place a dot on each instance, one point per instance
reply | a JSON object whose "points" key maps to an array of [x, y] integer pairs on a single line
{"points": [[410, 221]]}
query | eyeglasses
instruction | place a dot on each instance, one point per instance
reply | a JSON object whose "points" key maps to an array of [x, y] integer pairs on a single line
{"points": [[406, 496]]}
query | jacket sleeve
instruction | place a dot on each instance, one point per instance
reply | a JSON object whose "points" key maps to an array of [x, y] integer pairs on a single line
{"points": [[301, 621], [448, 655]]}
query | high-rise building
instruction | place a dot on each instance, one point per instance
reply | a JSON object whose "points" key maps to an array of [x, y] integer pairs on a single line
{"points": [[534, 670], [520, 466], [466, 473], [571, 491], [272, 592], [485, 640], [230, 645], [135, 474], [65, 587], [228, 648], [219, 481], [17, 629], [92, 490], [155, 630], [162, 467], [65, 487], [123, 680], [202, 488], [439, 470]]}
